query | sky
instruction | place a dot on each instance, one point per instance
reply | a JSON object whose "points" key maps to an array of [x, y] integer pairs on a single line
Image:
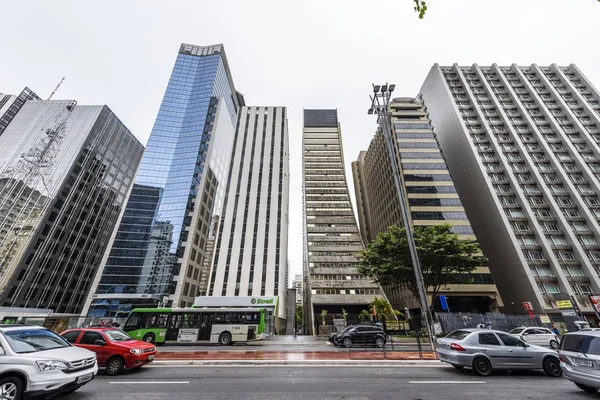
{"points": [[299, 54]]}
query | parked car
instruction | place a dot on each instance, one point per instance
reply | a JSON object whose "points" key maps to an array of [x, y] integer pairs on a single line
{"points": [[538, 336], [486, 350], [36, 362], [331, 338], [115, 349], [580, 358], [361, 335]]}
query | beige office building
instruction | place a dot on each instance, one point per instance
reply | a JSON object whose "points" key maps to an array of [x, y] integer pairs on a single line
{"points": [[431, 197]]}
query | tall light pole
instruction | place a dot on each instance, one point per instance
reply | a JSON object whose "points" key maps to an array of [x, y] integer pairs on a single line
{"points": [[380, 101]]}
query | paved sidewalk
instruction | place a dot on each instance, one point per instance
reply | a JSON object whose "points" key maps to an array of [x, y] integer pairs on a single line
{"points": [[291, 355]]}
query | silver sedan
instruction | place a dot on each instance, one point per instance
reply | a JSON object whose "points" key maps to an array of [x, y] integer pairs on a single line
{"points": [[485, 350]]}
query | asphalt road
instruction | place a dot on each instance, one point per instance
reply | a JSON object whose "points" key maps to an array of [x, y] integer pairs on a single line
{"points": [[324, 382]]}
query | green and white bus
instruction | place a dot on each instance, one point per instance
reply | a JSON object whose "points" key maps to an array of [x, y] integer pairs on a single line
{"points": [[196, 325]]}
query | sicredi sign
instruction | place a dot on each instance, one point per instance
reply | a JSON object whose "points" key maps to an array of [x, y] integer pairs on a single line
{"points": [[236, 301]]}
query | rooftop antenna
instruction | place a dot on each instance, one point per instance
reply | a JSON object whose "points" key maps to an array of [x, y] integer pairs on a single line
{"points": [[56, 88]]}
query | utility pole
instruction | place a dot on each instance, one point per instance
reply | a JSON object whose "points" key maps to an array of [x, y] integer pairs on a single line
{"points": [[380, 101]]}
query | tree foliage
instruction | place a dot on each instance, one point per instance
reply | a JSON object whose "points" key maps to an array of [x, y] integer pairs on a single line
{"points": [[298, 314], [383, 307], [445, 259], [421, 8]]}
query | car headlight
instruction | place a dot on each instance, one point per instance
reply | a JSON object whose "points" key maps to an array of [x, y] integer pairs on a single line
{"points": [[137, 352], [52, 365]]}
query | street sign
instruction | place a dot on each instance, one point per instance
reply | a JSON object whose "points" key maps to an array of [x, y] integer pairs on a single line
{"points": [[564, 304], [568, 313], [527, 305]]}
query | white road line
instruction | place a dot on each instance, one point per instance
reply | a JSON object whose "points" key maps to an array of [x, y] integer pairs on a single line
{"points": [[147, 382], [448, 382]]}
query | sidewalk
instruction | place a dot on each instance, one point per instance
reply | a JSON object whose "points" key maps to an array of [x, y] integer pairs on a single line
{"points": [[290, 356]]}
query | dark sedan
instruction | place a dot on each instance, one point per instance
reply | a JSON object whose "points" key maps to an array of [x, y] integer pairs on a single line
{"points": [[362, 335]]}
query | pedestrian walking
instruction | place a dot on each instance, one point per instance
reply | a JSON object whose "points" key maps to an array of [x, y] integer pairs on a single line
{"points": [[554, 330]]}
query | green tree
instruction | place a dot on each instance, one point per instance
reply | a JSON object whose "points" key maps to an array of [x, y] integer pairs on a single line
{"points": [[323, 315], [383, 307], [445, 259], [364, 316], [298, 315], [345, 316], [421, 8]]}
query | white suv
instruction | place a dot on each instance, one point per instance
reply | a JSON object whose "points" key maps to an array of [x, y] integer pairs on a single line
{"points": [[538, 336], [35, 361]]}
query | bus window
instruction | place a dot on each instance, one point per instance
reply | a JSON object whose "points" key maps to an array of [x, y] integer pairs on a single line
{"points": [[155, 320], [252, 318], [191, 321], [133, 322]]}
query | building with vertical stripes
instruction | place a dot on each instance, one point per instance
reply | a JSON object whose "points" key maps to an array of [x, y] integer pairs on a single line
{"points": [[432, 200], [522, 146], [331, 236], [250, 255]]}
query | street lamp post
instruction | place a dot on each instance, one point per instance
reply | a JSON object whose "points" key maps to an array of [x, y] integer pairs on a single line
{"points": [[380, 100]]}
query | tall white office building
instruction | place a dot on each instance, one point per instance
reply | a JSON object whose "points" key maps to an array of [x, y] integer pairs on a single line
{"points": [[251, 247], [521, 144]]}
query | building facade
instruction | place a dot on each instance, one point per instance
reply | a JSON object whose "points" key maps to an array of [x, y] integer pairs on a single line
{"points": [[10, 105], [251, 251], [297, 285], [331, 236], [522, 146], [431, 196], [65, 171], [159, 251]]}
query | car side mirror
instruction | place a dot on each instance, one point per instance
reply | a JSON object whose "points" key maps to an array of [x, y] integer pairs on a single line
{"points": [[100, 342]]}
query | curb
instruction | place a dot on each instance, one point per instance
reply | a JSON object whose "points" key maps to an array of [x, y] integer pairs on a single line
{"points": [[172, 363]]}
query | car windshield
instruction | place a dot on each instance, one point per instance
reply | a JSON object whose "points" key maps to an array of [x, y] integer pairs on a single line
{"points": [[516, 331], [458, 335], [117, 336], [32, 340], [581, 344]]}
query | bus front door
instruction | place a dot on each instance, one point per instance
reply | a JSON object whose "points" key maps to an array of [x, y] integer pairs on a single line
{"points": [[173, 327], [206, 322]]}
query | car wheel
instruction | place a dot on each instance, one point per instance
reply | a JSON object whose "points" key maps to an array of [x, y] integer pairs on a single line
{"points": [[552, 367], [553, 344], [482, 366], [587, 389], [379, 342], [149, 338], [225, 339], [11, 388], [458, 366], [114, 366], [347, 342]]}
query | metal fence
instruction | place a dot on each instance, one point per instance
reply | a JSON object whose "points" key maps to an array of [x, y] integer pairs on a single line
{"points": [[504, 322]]}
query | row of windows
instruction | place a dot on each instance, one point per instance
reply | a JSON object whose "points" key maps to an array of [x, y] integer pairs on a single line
{"points": [[438, 215], [412, 126], [430, 189], [427, 178], [352, 277], [434, 202], [345, 291]]}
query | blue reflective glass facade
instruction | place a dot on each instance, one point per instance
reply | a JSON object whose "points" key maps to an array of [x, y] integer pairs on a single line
{"points": [[152, 234]]}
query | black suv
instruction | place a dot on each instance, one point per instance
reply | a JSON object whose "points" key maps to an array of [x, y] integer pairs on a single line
{"points": [[361, 335]]}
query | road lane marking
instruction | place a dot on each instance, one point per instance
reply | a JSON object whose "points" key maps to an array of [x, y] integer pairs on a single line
{"points": [[448, 382], [148, 382]]}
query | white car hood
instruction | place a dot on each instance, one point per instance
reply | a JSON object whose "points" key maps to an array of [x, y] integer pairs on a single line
{"points": [[68, 354]]}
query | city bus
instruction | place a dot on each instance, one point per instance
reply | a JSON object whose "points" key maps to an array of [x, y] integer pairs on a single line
{"points": [[196, 325]]}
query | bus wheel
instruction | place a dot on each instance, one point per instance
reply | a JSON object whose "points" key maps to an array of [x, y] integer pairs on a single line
{"points": [[149, 337], [225, 339]]}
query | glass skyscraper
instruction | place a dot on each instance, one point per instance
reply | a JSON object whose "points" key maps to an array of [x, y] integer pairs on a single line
{"points": [[159, 251]]}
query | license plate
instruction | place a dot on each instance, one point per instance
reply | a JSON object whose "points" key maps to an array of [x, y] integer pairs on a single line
{"points": [[85, 378], [151, 357], [583, 363]]}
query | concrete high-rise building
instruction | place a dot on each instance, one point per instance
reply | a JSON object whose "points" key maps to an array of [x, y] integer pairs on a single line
{"points": [[431, 196], [521, 143], [65, 171], [10, 105], [331, 236], [159, 251], [251, 250], [297, 285]]}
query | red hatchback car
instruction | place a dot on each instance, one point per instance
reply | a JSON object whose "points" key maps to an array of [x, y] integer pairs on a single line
{"points": [[115, 350]]}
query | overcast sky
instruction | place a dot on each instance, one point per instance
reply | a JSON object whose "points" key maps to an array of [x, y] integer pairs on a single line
{"points": [[299, 54]]}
